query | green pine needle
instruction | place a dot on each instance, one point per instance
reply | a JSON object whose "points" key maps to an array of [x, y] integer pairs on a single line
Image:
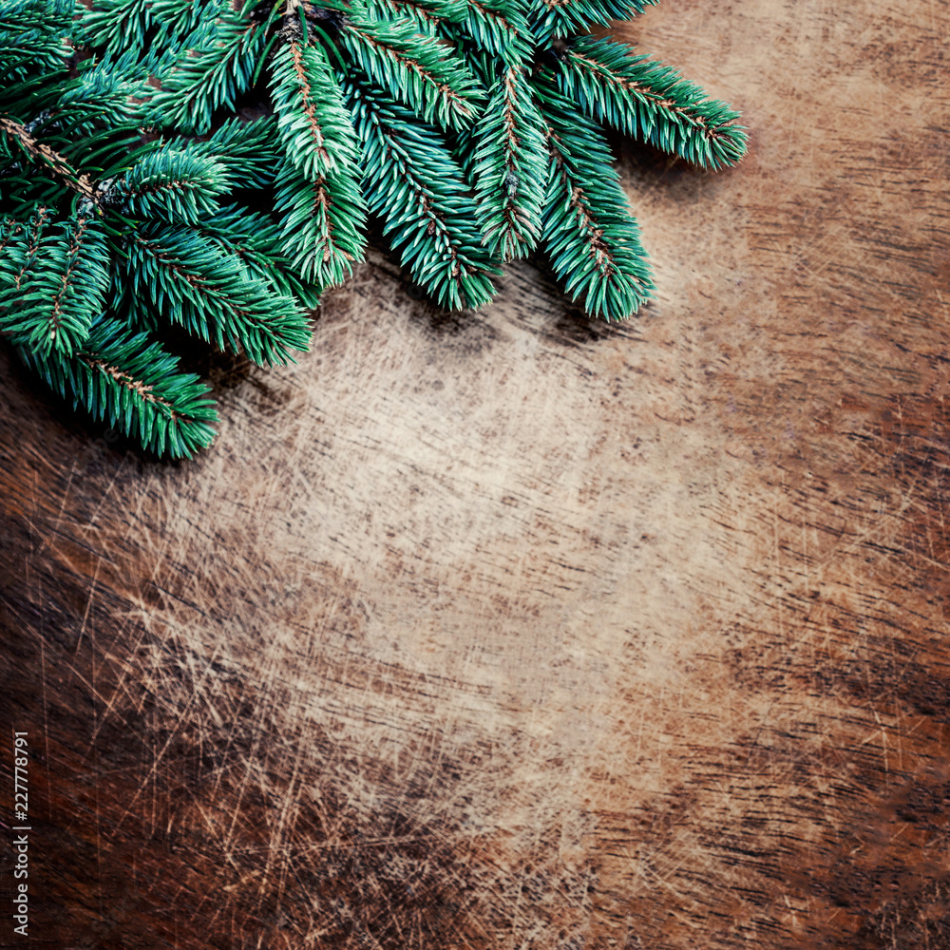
{"points": [[210, 75], [426, 15], [105, 90], [113, 25], [509, 167], [590, 236], [415, 185], [212, 295], [552, 19], [23, 18], [498, 27], [414, 69], [647, 100], [53, 280], [322, 224], [315, 129], [131, 382], [175, 185], [248, 151], [256, 240]]}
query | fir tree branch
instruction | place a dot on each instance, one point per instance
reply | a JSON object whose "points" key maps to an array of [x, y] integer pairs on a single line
{"points": [[209, 75], [590, 236], [249, 151], [23, 258], [640, 97], [509, 167], [33, 34], [318, 186], [177, 20], [79, 279], [114, 24], [414, 184], [174, 184], [498, 27], [322, 223], [314, 127], [414, 69], [256, 240], [550, 19], [427, 15], [22, 17], [39, 151], [111, 89], [212, 295], [54, 287], [122, 377]]}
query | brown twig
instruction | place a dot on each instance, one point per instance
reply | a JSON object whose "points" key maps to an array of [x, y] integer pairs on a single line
{"points": [[80, 183]]}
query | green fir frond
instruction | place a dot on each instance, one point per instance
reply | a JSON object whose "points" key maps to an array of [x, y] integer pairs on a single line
{"points": [[509, 167], [590, 235], [134, 310], [318, 186], [135, 385], [497, 27], [19, 247], [322, 224], [112, 88], [33, 36], [210, 75], [114, 25], [553, 19], [256, 240], [248, 150], [414, 184], [427, 15], [174, 184], [178, 19], [35, 98], [210, 293], [314, 127], [28, 52], [53, 280], [19, 18], [415, 69], [62, 169], [647, 100]]}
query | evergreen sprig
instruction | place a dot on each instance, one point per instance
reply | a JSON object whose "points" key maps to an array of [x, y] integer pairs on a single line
{"points": [[213, 166], [553, 19], [216, 67], [509, 166], [132, 383], [174, 185], [498, 27], [593, 245], [52, 283], [212, 294], [415, 185], [650, 101], [414, 69]]}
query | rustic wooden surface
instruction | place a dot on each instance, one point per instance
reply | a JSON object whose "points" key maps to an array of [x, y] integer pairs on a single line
{"points": [[508, 631]]}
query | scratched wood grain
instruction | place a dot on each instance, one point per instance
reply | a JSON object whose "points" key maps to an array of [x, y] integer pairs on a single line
{"points": [[508, 631]]}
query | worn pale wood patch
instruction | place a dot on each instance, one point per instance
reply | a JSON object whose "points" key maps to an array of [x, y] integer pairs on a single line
{"points": [[508, 631]]}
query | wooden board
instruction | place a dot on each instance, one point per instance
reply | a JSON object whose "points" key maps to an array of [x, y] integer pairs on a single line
{"points": [[508, 631]]}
